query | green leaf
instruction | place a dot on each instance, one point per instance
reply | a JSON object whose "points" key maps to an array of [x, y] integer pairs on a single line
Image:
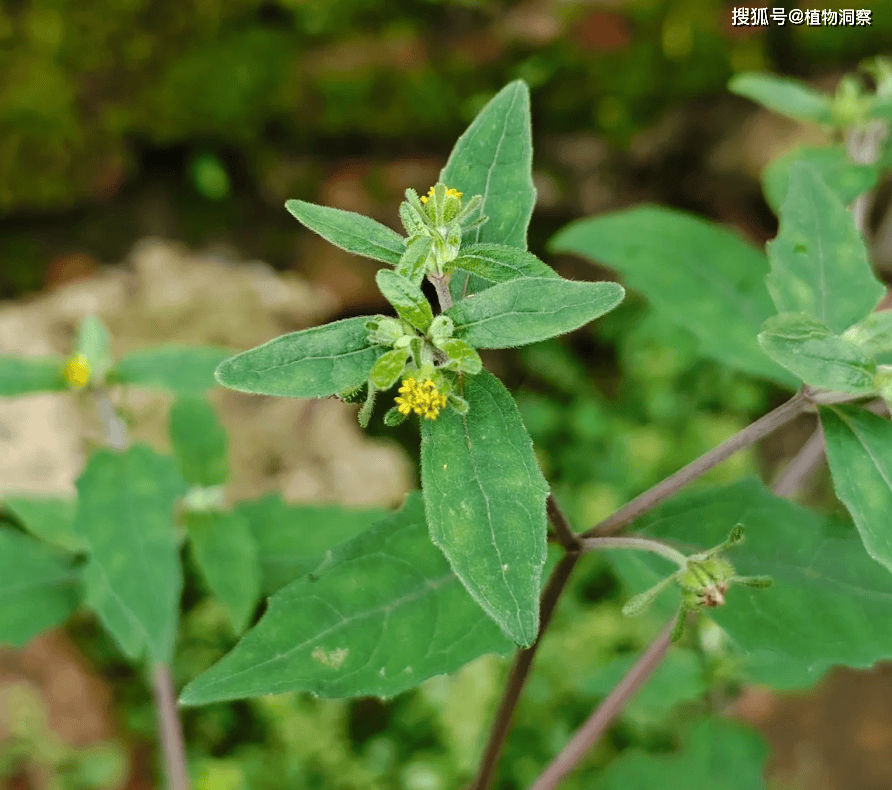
{"points": [[530, 309], [784, 96], [873, 335], [125, 511], [494, 159], [49, 518], [350, 231], [700, 275], [819, 264], [859, 450], [290, 538], [462, 356], [719, 755], [811, 351], [485, 502], [313, 363], [114, 615], [38, 588], [845, 178], [413, 263], [389, 367], [199, 442], [407, 299], [24, 375], [378, 615], [94, 343], [228, 558], [499, 263], [185, 370]]}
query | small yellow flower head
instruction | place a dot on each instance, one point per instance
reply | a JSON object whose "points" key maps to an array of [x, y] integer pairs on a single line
{"points": [[450, 191], [77, 371], [422, 397]]}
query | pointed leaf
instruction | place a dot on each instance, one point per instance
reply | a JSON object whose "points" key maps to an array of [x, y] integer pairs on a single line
{"points": [[185, 370], [350, 231], [227, 556], [116, 617], [125, 511], [807, 348], [819, 264], [407, 299], [25, 375], [199, 442], [859, 450], [485, 503], [700, 275], [49, 518], [389, 367], [413, 263], [499, 263], [783, 95], [313, 363], [38, 588], [379, 614], [530, 309], [873, 335]]}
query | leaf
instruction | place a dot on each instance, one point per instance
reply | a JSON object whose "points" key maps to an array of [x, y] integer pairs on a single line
{"points": [[389, 367], [312, 363], [485, 502], [413, 263], [530, 309], [290, 538], [499, 263], [379, 614], [845, 178], [407, 299], [819, 264], [830, 601], [26, 375], [227, 556], [125, 511], [199, 442], [859, 451], [873, 335], [117, 619], [38, 588], [350, 231], [94, 343], [494, 158], [808, 348], [784, 96], [49, 518], [700, 275], [718, 754], [185, 370], [464, 357]]}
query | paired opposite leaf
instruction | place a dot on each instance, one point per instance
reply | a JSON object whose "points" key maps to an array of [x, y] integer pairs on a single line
{"points": [[530, 309], [379, 614], [199, 442], [499, 263], [413, 263], [350, 231], [783, 95], [485, 502], [809, 349], [185, 370], [313, 363], [27, 375], [859, 451], [819, 264], [49, 518], [407, 299]]}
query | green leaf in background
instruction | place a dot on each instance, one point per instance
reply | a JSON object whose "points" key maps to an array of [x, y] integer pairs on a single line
{"points": [[717, 754], [38, 588], [49, 518], [407, 299], [494, 158], [228, 558], [117, 618], [94, 343], [185, 370], [530, 309], [499, 263], [350, 231], [485, 502], [873, 335], [859, 451], [312, 363], [379, 614], [819, 264], [845, 178], [784, 96], [413, 263], [700, 275], [199, 442], [808, 348], [125, 511], [27, 375], [830, 601], [291, 538]]}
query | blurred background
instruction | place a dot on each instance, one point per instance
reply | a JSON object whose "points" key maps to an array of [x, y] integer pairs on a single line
{"points": [[167, 137]]}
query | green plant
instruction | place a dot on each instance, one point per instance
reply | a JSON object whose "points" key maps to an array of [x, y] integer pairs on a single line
{"points": [[384, 603]]}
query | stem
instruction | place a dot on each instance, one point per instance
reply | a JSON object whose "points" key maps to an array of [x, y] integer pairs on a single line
{"points": [[441, 284], [696, 469], [863, 147], [801, 466], [562, 528], [589, 733], [638, 544]]}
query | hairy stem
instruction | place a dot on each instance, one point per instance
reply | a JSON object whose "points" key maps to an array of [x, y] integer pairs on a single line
{"points": [[562, 529], [441, 284], [637, 544]]}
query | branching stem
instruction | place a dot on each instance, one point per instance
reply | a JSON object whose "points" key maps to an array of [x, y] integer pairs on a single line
{"points": [[637, 544]]}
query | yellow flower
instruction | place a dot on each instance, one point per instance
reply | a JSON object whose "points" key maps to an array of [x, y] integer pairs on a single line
{"points": [[422, 397], [77, 371], [450, 191]]}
